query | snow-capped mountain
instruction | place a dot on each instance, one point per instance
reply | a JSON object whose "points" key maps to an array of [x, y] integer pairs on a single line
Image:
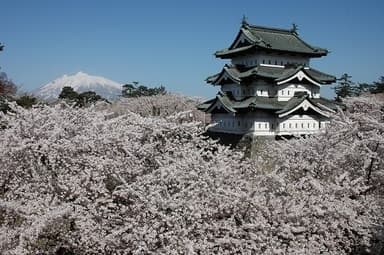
{"points": [[80, 82]]}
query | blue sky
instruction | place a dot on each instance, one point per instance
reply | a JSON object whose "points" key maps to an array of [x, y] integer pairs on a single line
{"points": [[171, 43]]}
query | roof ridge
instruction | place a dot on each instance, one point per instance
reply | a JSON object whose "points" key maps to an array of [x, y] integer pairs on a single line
{"points": [[271, 29]]}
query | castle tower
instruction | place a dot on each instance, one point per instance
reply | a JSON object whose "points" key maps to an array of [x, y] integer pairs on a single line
{"points": [[269, 88]]}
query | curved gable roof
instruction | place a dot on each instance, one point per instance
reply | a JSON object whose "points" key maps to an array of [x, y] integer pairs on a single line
{"points": [[228, 72], [297, 103], [311, 75], [276, 39]]}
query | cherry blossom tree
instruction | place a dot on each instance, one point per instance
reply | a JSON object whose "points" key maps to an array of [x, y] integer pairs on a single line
{"points": [[171, 106], [104, 180]]}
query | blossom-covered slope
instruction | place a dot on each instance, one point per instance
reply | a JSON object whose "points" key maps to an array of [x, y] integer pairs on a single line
{"points": [[81, 82], [85, 181]]}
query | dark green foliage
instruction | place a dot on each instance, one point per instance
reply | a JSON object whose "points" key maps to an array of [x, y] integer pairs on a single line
{"points": [[87, 98], [82, 99], [69, 94], [26, 101], [136, 90], [378, 86], [345, 87]]}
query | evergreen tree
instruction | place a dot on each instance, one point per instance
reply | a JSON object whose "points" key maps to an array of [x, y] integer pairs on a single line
{"points": [[378, 86], [83, 99], [135, 90], [345, 87], [87, 98], [26, 101], [69, 94]]}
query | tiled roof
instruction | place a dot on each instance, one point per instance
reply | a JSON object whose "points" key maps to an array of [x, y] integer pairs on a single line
{"points": [[270, 72], [276, 39], [263, 103]]}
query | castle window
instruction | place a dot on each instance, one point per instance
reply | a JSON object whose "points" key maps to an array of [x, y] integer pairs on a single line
{"points": [[308, 124], [290, 125], [272, 126], [282, 92], [275, 62], [283, 125], [295, 125], [266, 125], [259, 125], [263, 61], [269, 61], [302, 125], [281, 63], [288, 92]]}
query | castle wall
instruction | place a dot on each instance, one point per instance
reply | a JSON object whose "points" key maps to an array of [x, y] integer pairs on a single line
{"points": [[261, 123], [287, 91]]}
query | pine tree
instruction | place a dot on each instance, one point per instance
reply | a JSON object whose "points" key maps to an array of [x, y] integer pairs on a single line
{"points": [[378, 86], [345, 87], [69, 94]]}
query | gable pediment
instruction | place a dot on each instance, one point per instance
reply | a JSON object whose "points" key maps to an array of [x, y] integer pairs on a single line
{"points": [[222, 105], [226, 76], [305, 105], [242, 39], [301, 76]]}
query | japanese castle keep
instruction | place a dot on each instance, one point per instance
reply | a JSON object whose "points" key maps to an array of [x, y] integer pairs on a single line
{"points": [[269, 88]]}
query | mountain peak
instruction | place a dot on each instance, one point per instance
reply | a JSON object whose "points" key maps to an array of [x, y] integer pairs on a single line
{"points": [[81, 73], [81, 82]]}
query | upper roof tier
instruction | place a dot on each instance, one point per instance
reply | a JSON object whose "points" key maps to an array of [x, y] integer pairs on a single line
{"points": [[251, 38], [277, 74]]}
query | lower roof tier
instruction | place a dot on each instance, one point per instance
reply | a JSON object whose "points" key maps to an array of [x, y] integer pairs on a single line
{"points": [[278, 74], [226, 103]]}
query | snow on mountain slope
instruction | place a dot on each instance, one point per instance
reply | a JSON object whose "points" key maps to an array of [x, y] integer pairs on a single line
{"points": [[81, 82]]}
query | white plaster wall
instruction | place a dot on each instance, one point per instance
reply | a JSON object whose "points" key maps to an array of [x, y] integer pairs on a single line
{"points": [[300, 124], [259, 88], [258, 123], [269, 59], [228, 123], [263, 124], [262, 88], [287, 91], [284, 92]]}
